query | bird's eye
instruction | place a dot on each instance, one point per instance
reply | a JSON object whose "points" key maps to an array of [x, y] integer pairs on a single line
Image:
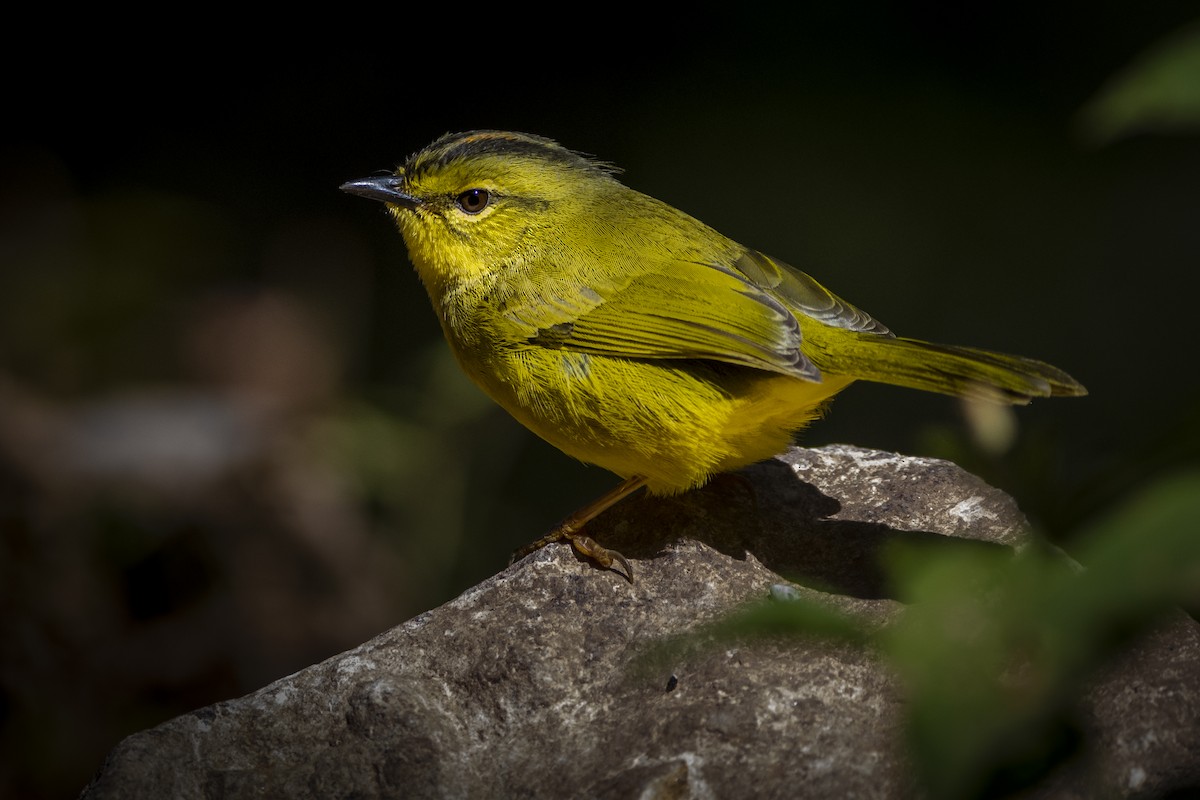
{"points": [[473, 201]]}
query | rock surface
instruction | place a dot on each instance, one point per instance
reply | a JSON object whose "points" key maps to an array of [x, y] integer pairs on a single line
{"points": [[532, 683]]}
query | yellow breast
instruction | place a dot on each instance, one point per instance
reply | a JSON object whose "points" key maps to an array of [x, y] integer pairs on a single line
{"points": [[677, 423]]}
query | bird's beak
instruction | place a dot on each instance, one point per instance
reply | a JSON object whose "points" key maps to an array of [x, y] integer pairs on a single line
{"points": [[385, 190]]}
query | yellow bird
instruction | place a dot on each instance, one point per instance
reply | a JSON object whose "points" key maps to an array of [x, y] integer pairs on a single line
{"points": [[632, 336]]}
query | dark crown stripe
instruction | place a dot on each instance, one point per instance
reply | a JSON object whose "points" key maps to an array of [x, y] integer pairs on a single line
{"points": [[455, 146]]}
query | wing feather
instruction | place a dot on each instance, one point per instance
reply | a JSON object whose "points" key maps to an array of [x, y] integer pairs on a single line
{"points": [[745, 312], [683, 310]]}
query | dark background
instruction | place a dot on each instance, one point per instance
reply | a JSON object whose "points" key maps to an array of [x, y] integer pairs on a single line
{"points": [[232, 442]]}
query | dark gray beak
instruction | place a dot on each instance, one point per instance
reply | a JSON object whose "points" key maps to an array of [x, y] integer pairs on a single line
{"points": [[385, 190]]}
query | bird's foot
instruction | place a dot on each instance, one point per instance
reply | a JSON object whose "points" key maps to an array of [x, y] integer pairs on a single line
{"points": [[584, 545]]}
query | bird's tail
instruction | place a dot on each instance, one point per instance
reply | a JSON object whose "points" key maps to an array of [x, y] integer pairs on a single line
{"points": [[948, 369]]}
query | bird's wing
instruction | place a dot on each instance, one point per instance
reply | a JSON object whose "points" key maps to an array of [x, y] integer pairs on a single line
{"points": [[743, 312], [803, 295]]}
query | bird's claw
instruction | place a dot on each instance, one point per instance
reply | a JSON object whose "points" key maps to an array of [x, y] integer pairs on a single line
{"points": [[585, 546]]}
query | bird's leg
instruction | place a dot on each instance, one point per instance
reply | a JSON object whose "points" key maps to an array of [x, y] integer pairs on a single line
{"points": [[571, 527]]}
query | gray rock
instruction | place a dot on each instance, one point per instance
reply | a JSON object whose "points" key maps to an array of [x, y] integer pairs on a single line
{"points": [[533, 684]]}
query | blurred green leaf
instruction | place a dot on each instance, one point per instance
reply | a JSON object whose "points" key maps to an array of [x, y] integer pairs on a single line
{"points": [[980, 660], [1159, 92], [1146, 555], [994, 646], [993, 651]]}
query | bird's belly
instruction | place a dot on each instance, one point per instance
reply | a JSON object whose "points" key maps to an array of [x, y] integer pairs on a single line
{"points": [[677, 423]]}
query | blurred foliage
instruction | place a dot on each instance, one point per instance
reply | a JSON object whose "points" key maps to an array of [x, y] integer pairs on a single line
{"points": [[1158, 93], [995, 649]]}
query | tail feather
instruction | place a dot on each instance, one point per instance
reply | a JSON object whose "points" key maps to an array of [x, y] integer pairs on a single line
{"points": [[949, 369]]}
